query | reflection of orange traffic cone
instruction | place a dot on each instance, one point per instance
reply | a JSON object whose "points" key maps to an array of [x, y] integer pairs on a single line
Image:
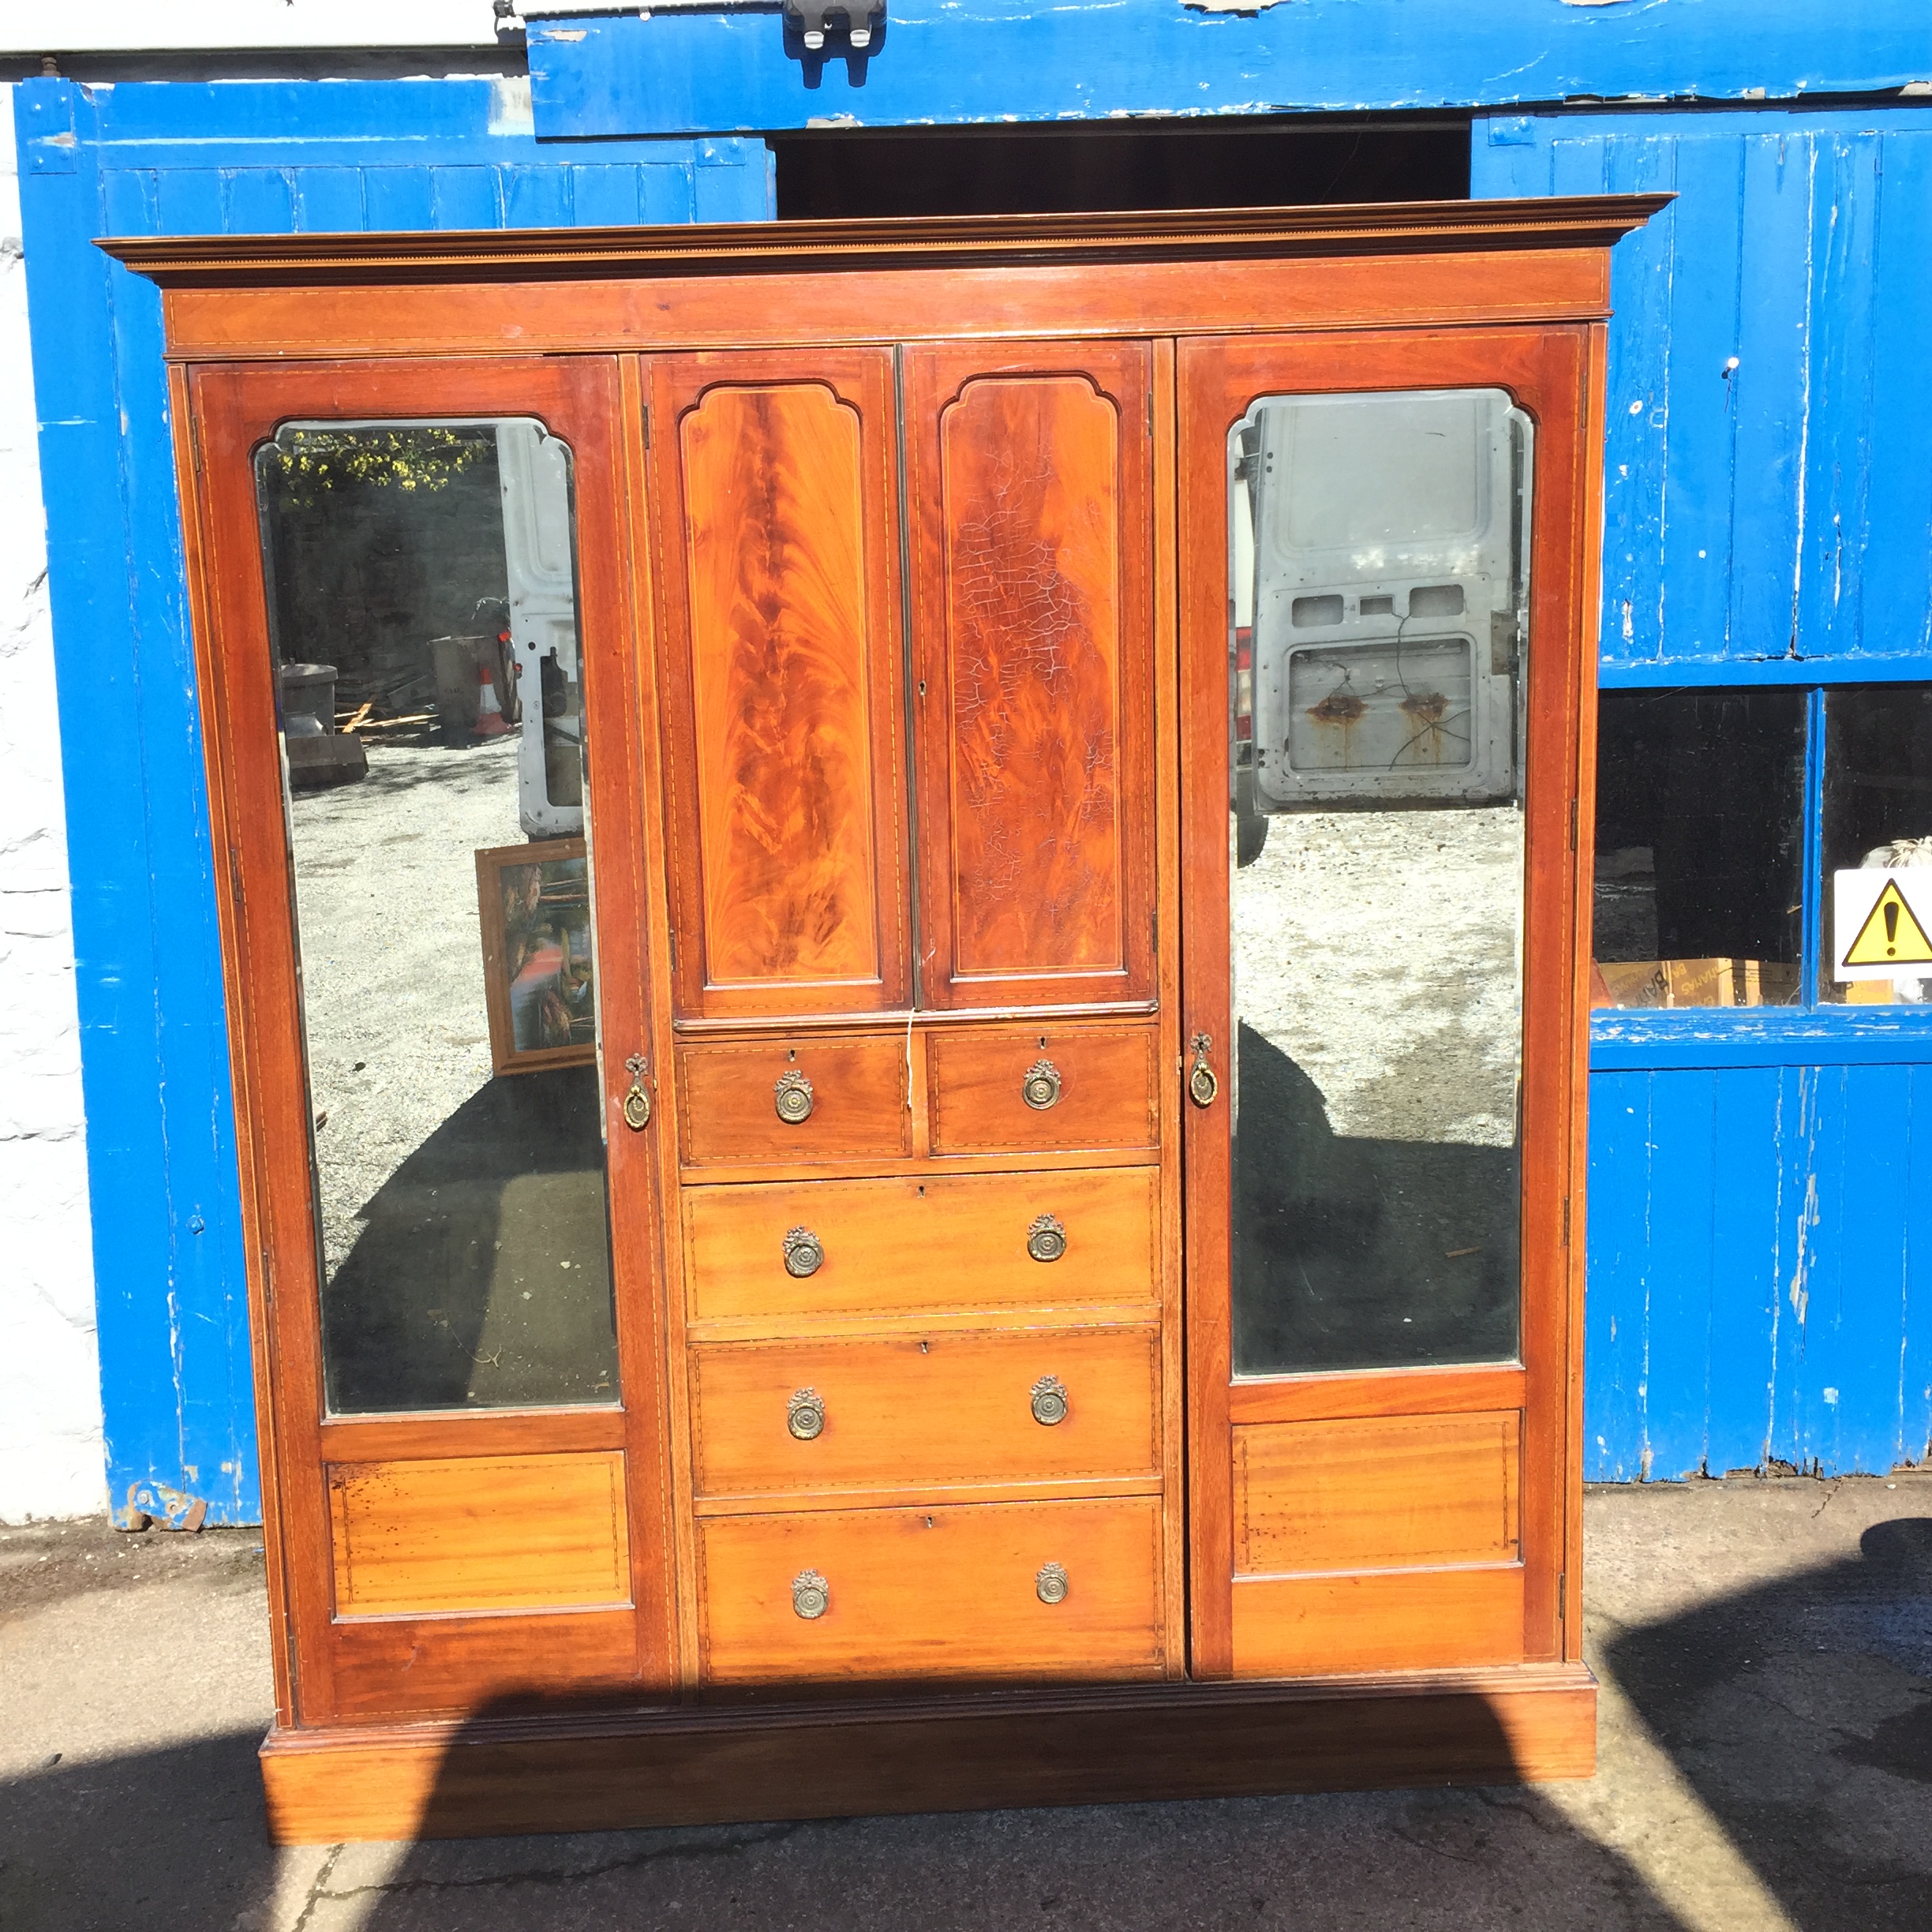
{"points": [[489, 713]]}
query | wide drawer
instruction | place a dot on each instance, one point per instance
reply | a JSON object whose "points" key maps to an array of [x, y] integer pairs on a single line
{"points": [[1025, 1405], [906, 1246], [1040, 1089], [992, 1591], [784, 1100]]}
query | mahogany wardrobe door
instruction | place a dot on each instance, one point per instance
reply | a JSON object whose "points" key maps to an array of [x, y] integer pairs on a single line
{"points": [[1386, 559], [439, 1002]]}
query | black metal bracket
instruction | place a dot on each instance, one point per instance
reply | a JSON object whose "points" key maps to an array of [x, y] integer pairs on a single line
{"points": [[811, 16]]}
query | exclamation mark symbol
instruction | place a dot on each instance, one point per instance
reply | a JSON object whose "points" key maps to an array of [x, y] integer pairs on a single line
{"points": [[1891, 913]]}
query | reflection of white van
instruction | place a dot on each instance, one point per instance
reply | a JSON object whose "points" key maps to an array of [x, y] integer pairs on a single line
{"points": [[1384, 572], [534, 471]]}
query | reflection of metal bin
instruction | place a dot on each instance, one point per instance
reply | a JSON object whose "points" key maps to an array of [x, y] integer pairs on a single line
{"points": [[308, 691], [455, 661]]}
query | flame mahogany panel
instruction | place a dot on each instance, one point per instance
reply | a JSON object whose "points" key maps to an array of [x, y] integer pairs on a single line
{"points": [[1030, 480], [781, 650]]}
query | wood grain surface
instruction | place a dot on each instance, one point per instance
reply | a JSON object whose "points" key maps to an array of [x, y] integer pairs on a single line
{"points": [[781, 682], [478, 1533], [941, 1409], [1377, 1620], [909, 1247], [1377, 1492], [1108, 1096], [1117, 1742], [728, 1093], [774, 502], [1030, 481], [943, 1593]]}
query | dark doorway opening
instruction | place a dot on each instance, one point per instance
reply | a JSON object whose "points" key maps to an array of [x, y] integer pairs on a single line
{"points": [[1094, 170]]}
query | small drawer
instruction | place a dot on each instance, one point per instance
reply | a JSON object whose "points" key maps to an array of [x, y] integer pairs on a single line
{"points": [[1036, 1089], [778, 1100], [992, 1591], [1079, 1237], [1026, 1405]]}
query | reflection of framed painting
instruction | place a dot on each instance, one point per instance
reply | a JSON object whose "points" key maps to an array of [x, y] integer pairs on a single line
{"points": [[539, 977]]}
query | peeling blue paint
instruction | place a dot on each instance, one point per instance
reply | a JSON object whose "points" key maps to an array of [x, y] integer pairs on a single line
{"points": [[938, 62]]}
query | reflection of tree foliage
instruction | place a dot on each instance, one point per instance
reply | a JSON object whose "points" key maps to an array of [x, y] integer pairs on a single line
{"points": [[303, 463]]}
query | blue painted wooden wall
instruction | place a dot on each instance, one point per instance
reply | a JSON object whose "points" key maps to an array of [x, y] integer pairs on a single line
{"points": [[1760, 1182], [934, 61], [188, 159]]}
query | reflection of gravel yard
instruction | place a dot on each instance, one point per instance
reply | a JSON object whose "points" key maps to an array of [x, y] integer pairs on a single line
{"points": [[1379, 951], [392, 961]]}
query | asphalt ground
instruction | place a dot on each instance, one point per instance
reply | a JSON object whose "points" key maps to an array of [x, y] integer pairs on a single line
{"points": [[1765, 1653]]}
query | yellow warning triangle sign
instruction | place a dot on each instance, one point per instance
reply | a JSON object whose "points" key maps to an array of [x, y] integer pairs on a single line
{"points": [[1891, 935]]}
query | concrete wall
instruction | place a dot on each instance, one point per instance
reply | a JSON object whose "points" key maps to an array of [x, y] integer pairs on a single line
{"points": [[50, 1447]]}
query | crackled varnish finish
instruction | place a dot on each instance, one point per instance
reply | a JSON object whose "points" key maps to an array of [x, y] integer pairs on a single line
{"points": [[902, 550]]}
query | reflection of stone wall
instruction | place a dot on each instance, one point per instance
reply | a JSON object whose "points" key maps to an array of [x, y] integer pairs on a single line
{"points": [[50, 1378], [369, 574]]}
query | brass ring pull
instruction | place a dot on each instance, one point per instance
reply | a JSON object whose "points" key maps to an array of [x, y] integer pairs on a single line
{"points": [[1041, 1088], [804, 1253], [1202, 1085], [1050, 1584], [1049, 1404], [805, 1415], [811, 1595], [1046, 1238], [637, 1107], [792, 1097]]}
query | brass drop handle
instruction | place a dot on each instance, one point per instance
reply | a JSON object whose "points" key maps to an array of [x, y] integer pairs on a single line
{"points": [[811, 1595], [1046, 1238], [805, 1415], [1041, 1088], [1050, 1584], [1049, 1403], [792, 1097], [804, 1253], [636, 1107], [1202, 1085]]}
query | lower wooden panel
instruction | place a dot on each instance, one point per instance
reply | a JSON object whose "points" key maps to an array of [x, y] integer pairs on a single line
{"points": [[1377, 1492], [939, 1593], [478, 1533], [397, 1667], [1377, 1620], [1125, 1743]]}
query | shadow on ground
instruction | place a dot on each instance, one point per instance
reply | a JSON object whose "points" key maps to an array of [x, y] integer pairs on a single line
{"points": [[1799, 1711]]}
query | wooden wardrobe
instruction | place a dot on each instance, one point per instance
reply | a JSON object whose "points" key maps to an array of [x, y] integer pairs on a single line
{"points": [[935, 1473]]}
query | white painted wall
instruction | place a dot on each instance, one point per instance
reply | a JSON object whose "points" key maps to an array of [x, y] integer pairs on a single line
{"points": [[51, 1451]]}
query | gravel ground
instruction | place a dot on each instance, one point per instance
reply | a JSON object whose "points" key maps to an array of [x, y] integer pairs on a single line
{"points": [[1379, 951], [392, 960]]}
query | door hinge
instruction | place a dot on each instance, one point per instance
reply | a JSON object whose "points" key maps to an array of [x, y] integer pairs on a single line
{"points": [[1563, 1596], [235, 876], [1566, 1239], [1573, 825], [1150, 415], [646, 414]]}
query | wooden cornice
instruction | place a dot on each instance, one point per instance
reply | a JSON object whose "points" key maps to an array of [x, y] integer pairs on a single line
{"points": [[739, 248]]}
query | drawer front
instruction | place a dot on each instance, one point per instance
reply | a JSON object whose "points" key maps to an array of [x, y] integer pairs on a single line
{"points": [[943, 1593], [1029, 1405], [785, 1100], [1038, 1089], [904, 1246]]}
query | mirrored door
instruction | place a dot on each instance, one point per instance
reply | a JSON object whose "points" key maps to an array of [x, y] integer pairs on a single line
{"points": [[1379, 710], [419, 642]]}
